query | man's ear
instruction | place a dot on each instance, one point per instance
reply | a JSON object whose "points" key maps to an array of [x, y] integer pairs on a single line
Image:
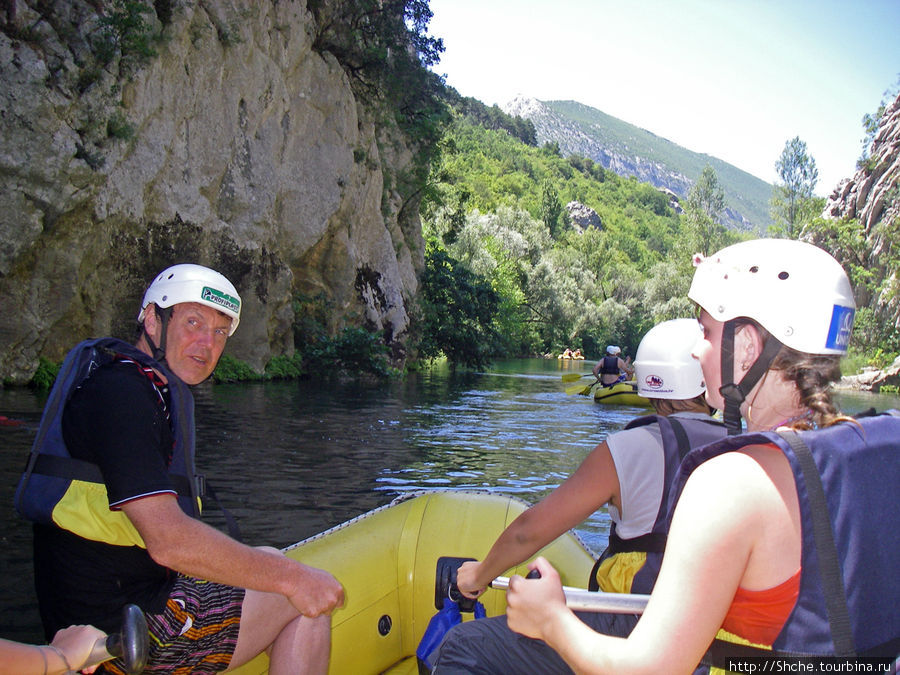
{"points": [[151, 322]]}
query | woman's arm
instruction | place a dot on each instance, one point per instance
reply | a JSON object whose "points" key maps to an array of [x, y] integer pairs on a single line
{"points": [[70, 649], [728, 507], [593, 484]]}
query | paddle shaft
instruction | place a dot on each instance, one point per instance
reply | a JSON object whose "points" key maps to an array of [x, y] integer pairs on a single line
{"points": [[582, 600], [573, 377]]}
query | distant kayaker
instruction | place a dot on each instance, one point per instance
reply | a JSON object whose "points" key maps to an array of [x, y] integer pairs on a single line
{"points": [[631, 472], [117, 527], [786, 543], [611, 369]]}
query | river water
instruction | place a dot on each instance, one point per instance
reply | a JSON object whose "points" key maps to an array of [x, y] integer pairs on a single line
{"points": [[290, 459]]}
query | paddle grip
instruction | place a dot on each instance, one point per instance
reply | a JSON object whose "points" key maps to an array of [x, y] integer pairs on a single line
{"points": [[104, 649]]}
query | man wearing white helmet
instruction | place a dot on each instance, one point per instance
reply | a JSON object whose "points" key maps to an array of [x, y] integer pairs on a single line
{"points": [[631, 471], [112, 490], [611, 369], [783, 540]]}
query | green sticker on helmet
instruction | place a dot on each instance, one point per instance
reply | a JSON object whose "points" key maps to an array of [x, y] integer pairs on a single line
{"points": [[223, 300]]}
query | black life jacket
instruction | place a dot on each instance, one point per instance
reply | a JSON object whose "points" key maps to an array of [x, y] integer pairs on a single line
{"points": [[679, 436], [609, 365]]}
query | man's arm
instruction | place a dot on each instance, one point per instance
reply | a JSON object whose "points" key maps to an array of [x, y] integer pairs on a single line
{"points": [[186, 545]]}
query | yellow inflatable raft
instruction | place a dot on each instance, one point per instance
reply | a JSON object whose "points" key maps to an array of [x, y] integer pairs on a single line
{"points": [[623, 393], [387, 561]]}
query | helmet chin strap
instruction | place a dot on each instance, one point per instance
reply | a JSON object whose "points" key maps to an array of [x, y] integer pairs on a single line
{"points": [[159, 353], [734, 394]]}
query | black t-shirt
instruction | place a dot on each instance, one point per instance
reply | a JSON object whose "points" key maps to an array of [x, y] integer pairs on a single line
{"points": [[117, 421]]}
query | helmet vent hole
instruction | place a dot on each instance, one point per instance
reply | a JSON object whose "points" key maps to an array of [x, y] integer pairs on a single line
{"points": [[783, 275], [754, 269]]}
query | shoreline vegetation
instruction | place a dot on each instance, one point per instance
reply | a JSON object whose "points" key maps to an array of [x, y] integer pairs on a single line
{"points": [[373, 361]]}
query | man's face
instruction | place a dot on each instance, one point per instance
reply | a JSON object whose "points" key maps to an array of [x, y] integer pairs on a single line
{"points": [[196, 338]]}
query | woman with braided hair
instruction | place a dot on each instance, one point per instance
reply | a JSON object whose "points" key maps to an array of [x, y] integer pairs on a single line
{"points": [[783, 539]]}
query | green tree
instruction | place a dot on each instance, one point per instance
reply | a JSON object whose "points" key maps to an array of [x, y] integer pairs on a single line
{"points": [[703, 209], [551, 208], [458, 309], [793, 202]]}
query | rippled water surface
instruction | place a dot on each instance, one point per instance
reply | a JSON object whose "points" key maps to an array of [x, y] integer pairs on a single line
{"points": [[291, 459]]}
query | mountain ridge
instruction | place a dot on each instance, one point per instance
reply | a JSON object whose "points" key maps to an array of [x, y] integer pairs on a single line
{"points": [[628, 150]]}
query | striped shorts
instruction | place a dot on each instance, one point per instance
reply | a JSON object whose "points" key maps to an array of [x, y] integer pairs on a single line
{"points": [[196, 633]]}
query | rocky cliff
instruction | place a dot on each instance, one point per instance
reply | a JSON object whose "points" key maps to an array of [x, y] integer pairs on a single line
{"points": [[872, 199], [870, 202], [229, 141]]}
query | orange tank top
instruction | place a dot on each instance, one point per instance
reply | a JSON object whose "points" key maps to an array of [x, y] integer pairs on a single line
{"points": [[759, 616]]}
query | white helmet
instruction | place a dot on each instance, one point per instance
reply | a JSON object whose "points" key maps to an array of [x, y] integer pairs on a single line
{"points": [[664, 366], [795, 290], [613, 350], [194, 283]]}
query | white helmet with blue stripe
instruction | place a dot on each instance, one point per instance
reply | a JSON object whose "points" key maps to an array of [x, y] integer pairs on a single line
{"points": [[796, 291]]}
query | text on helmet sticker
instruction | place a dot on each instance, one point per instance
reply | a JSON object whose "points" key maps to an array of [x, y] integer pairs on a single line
{"points": [[222, 299], [840, 328]]}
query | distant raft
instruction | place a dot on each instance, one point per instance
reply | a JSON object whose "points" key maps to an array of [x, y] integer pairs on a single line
{"points": [[621, 393]]}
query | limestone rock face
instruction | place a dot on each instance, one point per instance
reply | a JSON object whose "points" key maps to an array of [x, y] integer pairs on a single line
{"points": [[236, 145], [583, 216], [872, 197]]}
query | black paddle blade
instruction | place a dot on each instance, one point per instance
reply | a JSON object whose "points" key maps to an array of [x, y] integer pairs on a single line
{"points": [[445, 584], [132, 644]]}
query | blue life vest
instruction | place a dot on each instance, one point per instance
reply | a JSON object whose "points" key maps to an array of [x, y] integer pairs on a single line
{"points": [[849, 602], [679, 435], [59, 489]]}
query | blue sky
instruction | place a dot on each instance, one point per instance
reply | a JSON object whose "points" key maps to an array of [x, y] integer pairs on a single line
{"points": [[733, 79]]}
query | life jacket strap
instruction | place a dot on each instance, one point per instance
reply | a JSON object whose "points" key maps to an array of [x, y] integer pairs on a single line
{"points": [[829, 568]]}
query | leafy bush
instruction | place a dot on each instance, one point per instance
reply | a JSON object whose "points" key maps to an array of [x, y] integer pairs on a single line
{"points": [[125, 29], [118, 126], [230, 369], [285, 367], [45, 375]]}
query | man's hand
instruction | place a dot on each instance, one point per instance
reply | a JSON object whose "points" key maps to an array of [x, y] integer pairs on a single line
{"points": [[318, 593]]}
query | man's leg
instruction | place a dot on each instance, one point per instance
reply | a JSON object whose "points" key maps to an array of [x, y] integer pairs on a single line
{"points": [[298, 643]]}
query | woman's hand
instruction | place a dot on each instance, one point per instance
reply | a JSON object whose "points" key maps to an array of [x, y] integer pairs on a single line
{"points": [[532, 604], [75, 644], [467, 579]]}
